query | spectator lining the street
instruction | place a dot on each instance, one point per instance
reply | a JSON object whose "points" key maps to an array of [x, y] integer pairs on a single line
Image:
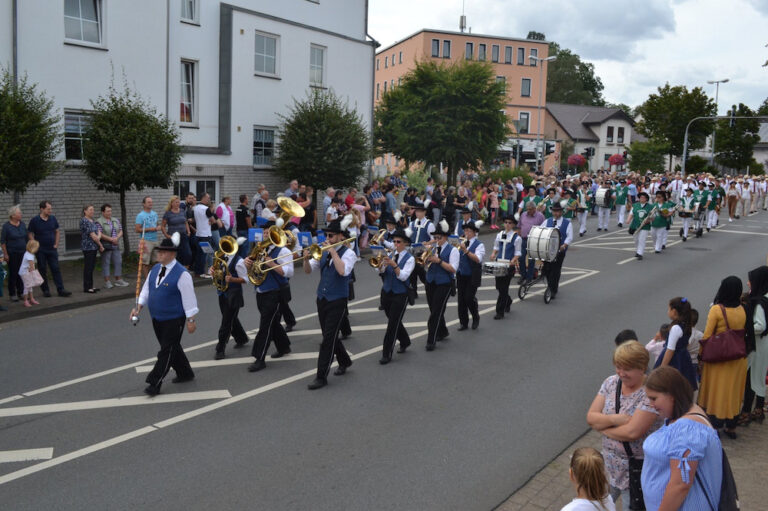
{"points": [[90, 243], [45, 229], [175, 221], [587, 475], [111, 233], [754, 388], [29, 275], [146, 225], [13, 238]]}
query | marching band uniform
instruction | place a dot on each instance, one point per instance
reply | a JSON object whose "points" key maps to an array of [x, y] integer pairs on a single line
{"points": [[268, 300], [659, 223], [466, 216], [386, 242], [439, 280], [584, 197], [285, 294], [230, 303], [714, 203], [170, 295], [553, 269], [332, 295], [568, 203], [421, 232], [468, 277], [395, 290], [507, 246], [640, 212], [621, 203], [604, 213], [687, 203]]}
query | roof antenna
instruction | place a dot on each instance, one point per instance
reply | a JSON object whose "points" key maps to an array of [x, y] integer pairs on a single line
{"points": [[462, 19]]}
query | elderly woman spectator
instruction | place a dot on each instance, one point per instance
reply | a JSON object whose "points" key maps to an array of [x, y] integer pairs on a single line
{"points": [[13, 238], [111, 232], [175, 220], [683, 460], [722, 383], [630, 423], [90, 243]]}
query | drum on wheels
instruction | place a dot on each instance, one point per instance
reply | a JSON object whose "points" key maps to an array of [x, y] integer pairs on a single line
{"points": [[496, 268], [543, 243], [603, 197]]}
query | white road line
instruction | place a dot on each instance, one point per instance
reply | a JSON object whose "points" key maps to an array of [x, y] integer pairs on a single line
{"points": [[237, 361], [610, 233], [116, 402], [743, 232], [417, 306], [625, 261], [12, 476], [44, 453]]}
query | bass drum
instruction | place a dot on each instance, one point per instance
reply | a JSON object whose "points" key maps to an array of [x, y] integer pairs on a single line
{"points": [[603, 197], [543, 243]]}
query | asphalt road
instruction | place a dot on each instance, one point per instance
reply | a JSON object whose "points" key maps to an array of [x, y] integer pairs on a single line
{"points": [[458, 428]]}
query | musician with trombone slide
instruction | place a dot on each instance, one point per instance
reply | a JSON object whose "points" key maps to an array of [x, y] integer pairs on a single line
{"points": [[640, 222], [440, 261], [335, 261], [661, 221], [469, 274], [229, 272], [421, 232], [395, 268]]}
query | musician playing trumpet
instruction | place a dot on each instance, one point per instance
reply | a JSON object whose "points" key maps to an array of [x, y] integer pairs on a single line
{"points": [[443, 265], [421, 232], [508, 246], [469, 274], [396, 271]]}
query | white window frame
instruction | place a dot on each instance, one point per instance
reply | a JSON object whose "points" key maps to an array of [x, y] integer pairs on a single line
{"points": [[313, 67], [522, 87], [527, 123], [193, 100], [262, 164], [620, 135], [495, 52], [469, 55], [264, 56], [446, 44], [82, 121], [435, 48], [509, 51], [534, 53], [195, 6], [521, 56], [99, 21], [609, 134]]}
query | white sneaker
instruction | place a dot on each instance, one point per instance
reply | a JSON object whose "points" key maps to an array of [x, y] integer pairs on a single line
{"points": [[205, 276], [121, 283], [108, 284], [730, 219]]}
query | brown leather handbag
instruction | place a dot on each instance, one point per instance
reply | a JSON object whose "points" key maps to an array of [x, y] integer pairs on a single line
{"points": [[725, 346]]}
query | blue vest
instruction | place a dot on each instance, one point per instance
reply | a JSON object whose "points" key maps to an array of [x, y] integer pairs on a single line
{"points": [[391, 283], [233, 286], [466, 265], [563, 227], [460, 228], [332, 286], [274, 281], [165, 301], [436, 274], [420, 236], [509, 253]]}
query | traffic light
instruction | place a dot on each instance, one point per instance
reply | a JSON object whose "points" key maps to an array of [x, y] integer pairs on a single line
{"points": [[624, 155], [549, 148], [585, 153]]}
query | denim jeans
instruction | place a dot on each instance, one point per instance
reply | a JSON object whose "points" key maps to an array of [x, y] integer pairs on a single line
{"points": [[115, 258], [49, 257]]}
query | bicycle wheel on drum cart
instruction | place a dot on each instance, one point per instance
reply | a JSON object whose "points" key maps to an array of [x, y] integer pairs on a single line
{"points": [[522, 291], [547, 295]]}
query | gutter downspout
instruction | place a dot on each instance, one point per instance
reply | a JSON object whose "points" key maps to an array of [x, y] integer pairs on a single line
{"points": [[374, 44], [15, 53], [167, 55]]}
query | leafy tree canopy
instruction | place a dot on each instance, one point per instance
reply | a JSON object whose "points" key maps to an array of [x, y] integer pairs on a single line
{"points": [[536, 36], [734, 144], [621, 106], [571, 81], [647, 156]]}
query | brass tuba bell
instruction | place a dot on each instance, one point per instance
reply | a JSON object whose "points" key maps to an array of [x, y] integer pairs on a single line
{"points": [[219, 270]]}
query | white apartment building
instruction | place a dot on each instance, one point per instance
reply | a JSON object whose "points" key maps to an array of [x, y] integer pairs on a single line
{"points": [[223, 71]]}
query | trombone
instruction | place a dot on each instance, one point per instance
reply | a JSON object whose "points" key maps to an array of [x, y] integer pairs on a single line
{"points": [[258, 271]]}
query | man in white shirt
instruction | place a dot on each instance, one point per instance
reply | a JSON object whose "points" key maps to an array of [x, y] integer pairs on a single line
{"points": [[469, 274], [508, 247], [396, 272], [443, 265], [203, 221], [552, 269]]}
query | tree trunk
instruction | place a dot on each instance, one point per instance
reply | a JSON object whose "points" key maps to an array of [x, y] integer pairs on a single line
{"points": [[669, 167], [123, 219]]}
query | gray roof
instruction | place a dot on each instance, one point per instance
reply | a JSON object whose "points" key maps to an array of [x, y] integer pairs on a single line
{"points": [[575, 119]]}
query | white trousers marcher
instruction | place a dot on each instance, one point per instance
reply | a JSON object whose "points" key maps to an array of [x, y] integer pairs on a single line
{"points": [[686, 226], [582, 217], [741, 206], [657, 233], [641, 237], [621, 210], [603, 217], [711, 219]]}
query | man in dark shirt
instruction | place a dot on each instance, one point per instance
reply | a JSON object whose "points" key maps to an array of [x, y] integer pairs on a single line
{"points": [[45, 229], [243, 223]]}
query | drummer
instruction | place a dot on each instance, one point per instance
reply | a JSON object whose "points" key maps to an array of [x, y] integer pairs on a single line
{"points": [[508, 246], [604, 209], [554, 268], [687, 203]]}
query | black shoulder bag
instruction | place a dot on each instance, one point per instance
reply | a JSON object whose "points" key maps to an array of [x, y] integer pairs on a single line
{"points": [[636, 502]]}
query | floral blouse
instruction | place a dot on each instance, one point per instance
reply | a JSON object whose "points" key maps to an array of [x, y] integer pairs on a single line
{"points": [[86, 228]]}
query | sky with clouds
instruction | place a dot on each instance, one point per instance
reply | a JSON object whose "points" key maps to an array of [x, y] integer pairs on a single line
{"points": [[635, 45]]}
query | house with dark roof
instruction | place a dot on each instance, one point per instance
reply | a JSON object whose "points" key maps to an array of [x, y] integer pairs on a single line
{"points": [[608, 130]]}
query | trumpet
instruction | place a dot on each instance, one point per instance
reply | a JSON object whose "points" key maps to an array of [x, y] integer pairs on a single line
{"points": [[378, 261], [315, 251], [458, 242], [376, 240], [219, 270], [422, 259]]}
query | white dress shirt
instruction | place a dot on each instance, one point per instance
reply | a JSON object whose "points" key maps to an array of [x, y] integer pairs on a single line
{"points": [[405, 271], [453, 257], [185, 286], [349, 258], [479, 251], [501, 245], [557, 222]]}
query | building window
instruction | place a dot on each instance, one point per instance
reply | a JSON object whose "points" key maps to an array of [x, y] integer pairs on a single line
{"points": [[507, 54], [386, 62], [503, 81], [399, 82], [400, 60], [377, 91], [392, 84], [393, 59], [263, 146], [188, 98], [316, 65], [446, 49], [468, 51], [266, 54], [495, 53], [377, 64], [534, 53], [385, 86], [82, 20], [525, 89], [75, 124], [521, 56], [525, 118], [606, 159], [435, 47], [189, 11], [480, 52], [620, 136], [609, 135]]}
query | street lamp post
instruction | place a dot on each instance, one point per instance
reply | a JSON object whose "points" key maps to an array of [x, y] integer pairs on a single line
{"points": [[538, 123], [717, 93]]}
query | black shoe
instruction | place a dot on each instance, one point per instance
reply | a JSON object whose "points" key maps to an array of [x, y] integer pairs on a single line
{"points": [[620, 225], [152, 390], [707, 229], [341, 369], [240, 344], [180, 379], [381, 307], [639, 257], [344, 336], [462, 327], [475, 324], [598, 229], [581, 235], [317, 383], [64, 293], [499, 316], [430, 347], [606, 229], [14, 298], [47, 294], [403, 347], [219, 355], [657, 251], [289, 328], [384, 360], [730, 434], [663, 247], [279, 354], [257, 366]]}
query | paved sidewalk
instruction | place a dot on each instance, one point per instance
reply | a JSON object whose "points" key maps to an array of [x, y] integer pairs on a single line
{"points": [[550, 489]]}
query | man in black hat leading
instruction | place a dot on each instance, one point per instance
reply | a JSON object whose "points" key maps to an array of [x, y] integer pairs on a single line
{"points": [[443, 265], [469, 275], [170, 295], [396, 271], [554, 268]]}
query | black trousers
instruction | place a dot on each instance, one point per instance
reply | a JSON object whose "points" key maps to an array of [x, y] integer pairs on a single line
{"points": [[269, 325], [502, 286], [553, 271], [15, 284], [331, 313], [49, 258], [418, 273], [230, 324], [171, 354], [437, 298], [287, 313], [467, 298], [394, 308], [750, 397], [88, 266]]}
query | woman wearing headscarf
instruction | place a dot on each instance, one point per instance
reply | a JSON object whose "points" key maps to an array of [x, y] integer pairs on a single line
{"points": [[757, 307], [722, 383]]}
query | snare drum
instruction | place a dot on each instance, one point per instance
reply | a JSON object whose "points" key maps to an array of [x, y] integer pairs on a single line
{"points": [[603, 197], [496, 268], [543, 243]]}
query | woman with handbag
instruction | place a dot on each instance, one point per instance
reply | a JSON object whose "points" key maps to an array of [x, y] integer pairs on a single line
{"points": [[624, 416], [723, 357], [683, 467]]}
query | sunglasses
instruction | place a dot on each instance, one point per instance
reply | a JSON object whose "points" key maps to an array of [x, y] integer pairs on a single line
{"points": [[398, 241]]}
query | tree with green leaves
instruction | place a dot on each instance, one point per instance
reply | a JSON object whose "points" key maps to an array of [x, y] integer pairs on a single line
{"points": [[446, 113], [323, 142], [647, 156], [127, 146], [30, 136], [735, 140], [763, 109], [665, 116], [536, 36], [621, 106], [696, 164], [571, 81]]}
